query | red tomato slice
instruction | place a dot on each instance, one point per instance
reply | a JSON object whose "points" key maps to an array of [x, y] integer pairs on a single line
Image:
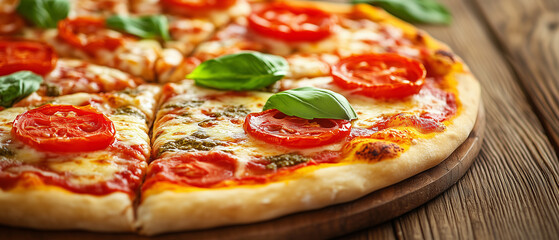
{"points": [[201, 169], [64, 128], [195, 6], [380, 75], [88, 34], [290, 23], [10, 23], [272, 126], [18, 55]]}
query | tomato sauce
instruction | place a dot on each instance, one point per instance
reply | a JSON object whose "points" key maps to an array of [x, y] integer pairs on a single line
{"points": [[127, 181]]}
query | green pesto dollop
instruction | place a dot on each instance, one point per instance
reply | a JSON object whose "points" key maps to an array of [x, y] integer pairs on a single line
{"points": [[199, 140], [53, 90], [6, 152], [285, 160], [231, 111], [185, 104], [130, 111]]}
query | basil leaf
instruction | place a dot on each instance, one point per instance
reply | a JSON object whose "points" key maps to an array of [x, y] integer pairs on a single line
{"points": [[240, 71], [309, 103], [44, 13], [155, 26], [17, 86], [414, 11]]}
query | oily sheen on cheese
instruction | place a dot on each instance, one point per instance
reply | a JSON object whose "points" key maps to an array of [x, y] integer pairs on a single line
{"points": [[86, 167]]}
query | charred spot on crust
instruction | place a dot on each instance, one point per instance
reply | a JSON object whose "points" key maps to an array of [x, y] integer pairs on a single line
{"points": [[420, 37], [439, 62], [445, 53], [377, 151]]}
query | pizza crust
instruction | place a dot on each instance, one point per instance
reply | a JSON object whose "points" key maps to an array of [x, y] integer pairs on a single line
{"points": [[175, 210], [56, 209]]}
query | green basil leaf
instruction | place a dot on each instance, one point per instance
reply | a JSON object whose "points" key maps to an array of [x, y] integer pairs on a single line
{"points": [[240, 71], [309, 103], [17, 86], [155, 26], [44, 13], [414, 11]]}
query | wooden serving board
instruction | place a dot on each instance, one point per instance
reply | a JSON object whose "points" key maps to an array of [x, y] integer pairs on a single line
{"points": [[332, 221]]}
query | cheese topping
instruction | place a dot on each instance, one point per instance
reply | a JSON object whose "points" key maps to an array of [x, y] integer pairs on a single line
{"points": [[126, 157]]}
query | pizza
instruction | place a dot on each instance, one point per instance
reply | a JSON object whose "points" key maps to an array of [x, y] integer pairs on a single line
{"points": [[157, 116]]}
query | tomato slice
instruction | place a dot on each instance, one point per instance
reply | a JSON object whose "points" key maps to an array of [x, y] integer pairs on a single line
{"points": [[64, 128], [200, 169], [10, 23], [380, 75], [273, 126], [290, 23], [88, 34], [195, 6], [18, 55]]}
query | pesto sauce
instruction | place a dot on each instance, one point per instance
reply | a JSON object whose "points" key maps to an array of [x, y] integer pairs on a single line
{"points": [[127, 110], [199, 140], [233, 111], [133, 92], [185, 104], [53, 90], [285, 160], [6, 152]]}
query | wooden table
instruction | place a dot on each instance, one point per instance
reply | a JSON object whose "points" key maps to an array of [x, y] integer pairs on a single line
{"points": [[512, 189]]}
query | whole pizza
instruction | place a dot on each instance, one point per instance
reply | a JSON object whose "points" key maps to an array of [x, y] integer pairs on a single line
{"points": [[155, 116]]}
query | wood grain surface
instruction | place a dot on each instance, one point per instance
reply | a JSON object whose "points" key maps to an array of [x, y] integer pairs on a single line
{"points": [[511, 191]]}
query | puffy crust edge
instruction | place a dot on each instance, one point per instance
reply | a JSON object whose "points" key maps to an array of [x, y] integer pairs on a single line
{"points": [[57, 209], [176, 210]]}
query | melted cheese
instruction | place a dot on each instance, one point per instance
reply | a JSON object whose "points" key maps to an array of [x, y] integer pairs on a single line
{"points": [[369, 109], [84, 168], [98, 8], [225, 129], [246, 148], [73, 76], [351, 37], [239, 9], [188, 33], [137, 58], [8, 6]]}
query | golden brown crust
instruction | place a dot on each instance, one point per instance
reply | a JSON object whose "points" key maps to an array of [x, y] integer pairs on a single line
{"points": [[54, 208]]}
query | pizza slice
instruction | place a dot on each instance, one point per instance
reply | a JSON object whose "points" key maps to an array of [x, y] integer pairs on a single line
{"points": [[105, 33], [226, 157], [312, 37], [59, 76], [76, 161]]}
